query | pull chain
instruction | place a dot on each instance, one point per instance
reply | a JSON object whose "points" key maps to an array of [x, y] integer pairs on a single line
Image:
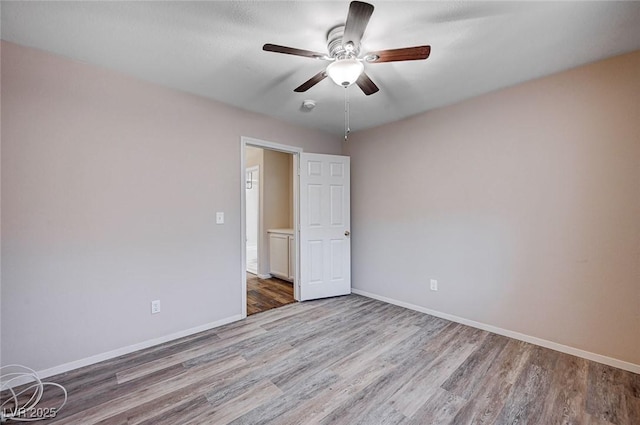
{"points": [[347, 130]]}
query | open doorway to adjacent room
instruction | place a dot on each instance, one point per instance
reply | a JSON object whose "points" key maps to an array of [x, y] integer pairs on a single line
{"points": [[269, 228]]}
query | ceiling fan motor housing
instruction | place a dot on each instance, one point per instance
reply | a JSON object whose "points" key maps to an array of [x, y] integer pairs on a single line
{"points": [[335, 47]]}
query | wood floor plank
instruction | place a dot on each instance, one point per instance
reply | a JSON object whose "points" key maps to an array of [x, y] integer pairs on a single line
{"points": [[485, 404], [236, 380], [384, 414], [525, 402], [263, 392], [126, 403], [101, 393], [286, 311], [346, 312], [280, 318], [632, 408], [347, 360], [180, 412], [234, 374], [453, 334], [400, 362], [427, 381], [440, 409], [379, 391], [314, 411], [469, 376], [633, 384], [594, 420], [159, 364], [326, 333], [314, 358], [266, 294], [96, 383], [428, 344], [228, 347], [272, 412], [354, 362], [566, 399], [601, 401], [316, 321]]}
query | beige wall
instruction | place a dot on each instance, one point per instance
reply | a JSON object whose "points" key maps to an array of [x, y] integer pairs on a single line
{"points": [[110, 187], [253, 157], [524, 204], [277, 169]]}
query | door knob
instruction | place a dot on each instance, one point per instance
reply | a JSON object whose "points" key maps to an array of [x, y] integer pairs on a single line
{"points": [[347, 233]]}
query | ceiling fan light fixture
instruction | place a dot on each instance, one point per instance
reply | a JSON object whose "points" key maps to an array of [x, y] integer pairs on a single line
{"points": [[345, 72]]}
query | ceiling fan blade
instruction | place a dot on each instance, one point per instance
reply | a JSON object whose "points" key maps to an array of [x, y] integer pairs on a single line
{"points": [[357, 20], [311, 82], [293, 51], [395, 55], [365, 83]]}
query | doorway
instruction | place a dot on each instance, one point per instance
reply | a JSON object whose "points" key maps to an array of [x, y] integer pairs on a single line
{"points": [[320, 250], [269, 207]]}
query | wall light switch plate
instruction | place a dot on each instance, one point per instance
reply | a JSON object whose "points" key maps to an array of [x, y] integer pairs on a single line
{"points": [[219, 218], [434, 285], [155, 307]]}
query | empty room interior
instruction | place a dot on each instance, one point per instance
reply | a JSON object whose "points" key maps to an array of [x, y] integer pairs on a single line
{"points": [[229, 212]]}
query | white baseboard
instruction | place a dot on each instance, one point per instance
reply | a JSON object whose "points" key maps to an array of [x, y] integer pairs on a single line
{"points": [[265, 276], [66, 367], [620, 364]]}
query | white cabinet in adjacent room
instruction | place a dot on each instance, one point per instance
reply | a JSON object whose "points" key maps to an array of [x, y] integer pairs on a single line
{"points": [[282, 253]]}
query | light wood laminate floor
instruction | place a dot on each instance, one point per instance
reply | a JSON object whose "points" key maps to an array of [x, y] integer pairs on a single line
{"points": [[348, 360]]}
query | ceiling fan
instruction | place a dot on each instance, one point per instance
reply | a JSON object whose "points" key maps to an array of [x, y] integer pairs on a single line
{"points": [[343, 44]]}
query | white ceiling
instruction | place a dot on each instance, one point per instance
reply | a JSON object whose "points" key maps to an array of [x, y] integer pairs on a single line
{"points": [[214, 49]]}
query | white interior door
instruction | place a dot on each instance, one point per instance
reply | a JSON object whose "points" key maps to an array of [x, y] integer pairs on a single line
{"points": [[325, 220]]}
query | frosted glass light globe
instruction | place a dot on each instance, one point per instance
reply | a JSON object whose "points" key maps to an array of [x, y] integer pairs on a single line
{"points": [[345, 72]]}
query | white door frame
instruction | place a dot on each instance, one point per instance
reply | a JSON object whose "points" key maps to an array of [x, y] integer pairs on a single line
{"points": [[295, 151]]}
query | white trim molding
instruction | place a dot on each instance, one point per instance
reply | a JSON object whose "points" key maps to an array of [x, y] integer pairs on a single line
{"points": [[66, 367], [252, 141], [598, 358]]}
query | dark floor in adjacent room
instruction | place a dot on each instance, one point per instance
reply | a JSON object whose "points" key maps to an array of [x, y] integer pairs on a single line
{"points": [[265, 294]]}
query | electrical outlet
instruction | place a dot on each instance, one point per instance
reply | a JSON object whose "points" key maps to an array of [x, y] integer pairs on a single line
{"points": [[155, 306], [434, 285]]}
